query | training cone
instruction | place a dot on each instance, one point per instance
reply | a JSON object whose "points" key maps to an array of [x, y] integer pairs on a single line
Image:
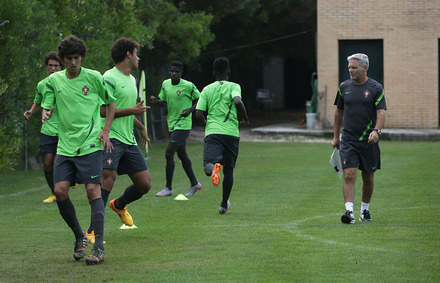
{"points": [[125, 227], [180, 197]]}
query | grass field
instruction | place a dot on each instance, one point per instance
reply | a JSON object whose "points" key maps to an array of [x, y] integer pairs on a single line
{"points": [[283, 226]]}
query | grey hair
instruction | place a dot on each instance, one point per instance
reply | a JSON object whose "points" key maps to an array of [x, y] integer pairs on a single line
{"points": [[363, 58]]}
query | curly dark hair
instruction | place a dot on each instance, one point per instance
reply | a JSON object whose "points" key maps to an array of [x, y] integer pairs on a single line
{"points": [[52, 55], [71, 45], [119, 49]]}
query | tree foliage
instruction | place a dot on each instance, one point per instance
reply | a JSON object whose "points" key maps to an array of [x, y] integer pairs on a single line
{"points": [[193, 31], [35, 27]]}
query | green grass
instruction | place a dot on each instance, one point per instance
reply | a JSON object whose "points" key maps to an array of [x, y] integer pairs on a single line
{"points": [[284, 223]]}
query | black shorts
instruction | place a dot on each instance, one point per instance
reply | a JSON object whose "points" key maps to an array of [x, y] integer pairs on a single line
{"points": [[124, 158], [361, 155], [179, 137], [86, 169], [48, 144], [221, 149]]}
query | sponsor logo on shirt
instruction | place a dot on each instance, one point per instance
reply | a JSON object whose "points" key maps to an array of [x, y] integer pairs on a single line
{"points": [[347, 92], [85, 89], [367, 93]]}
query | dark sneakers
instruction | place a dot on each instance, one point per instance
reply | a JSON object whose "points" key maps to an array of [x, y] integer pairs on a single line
{"points": [[365, 216], [96, 257], [347, 217], [222, 210], [80, 248]]}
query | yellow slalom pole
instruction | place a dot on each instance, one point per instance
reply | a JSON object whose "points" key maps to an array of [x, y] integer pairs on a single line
{"points": [[142, 93]]}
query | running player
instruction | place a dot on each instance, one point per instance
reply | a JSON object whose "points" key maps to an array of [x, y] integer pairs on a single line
{"points": [[48, 134], [222, 101], [78, 93], [180, 96], [126, 157]]}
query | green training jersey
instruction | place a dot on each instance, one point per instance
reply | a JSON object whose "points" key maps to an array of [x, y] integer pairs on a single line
{"points": [[178, 97], [218, 98], [123, 89], [78, 101], [50, 127]]}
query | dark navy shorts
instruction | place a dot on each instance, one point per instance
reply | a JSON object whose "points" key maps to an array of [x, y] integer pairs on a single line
{"points": [[85, 169], [361, 155], [48, 144], [179, 137], [124, 158], [221, 149]]}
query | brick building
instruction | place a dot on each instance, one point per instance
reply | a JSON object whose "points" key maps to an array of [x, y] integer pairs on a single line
{"points": [[401, 37]]}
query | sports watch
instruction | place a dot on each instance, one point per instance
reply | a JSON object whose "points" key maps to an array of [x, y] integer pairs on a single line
{"points": [[379, 131]]}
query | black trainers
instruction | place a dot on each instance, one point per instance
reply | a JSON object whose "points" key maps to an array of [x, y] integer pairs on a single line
{"points": [[347, 217], [365, 215], [96, 257], [80, 248]]}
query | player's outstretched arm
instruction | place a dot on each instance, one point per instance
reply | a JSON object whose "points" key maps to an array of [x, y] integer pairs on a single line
{"points": [[137, 110], [156, 100], [34, 108]]}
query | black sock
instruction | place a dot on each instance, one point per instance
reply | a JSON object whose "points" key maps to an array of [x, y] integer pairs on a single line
{"points": [[189, 171], [130, 195], [228, 181], [67, 211], [169, 172], [104, 195], [98, 216], [49, 180]]}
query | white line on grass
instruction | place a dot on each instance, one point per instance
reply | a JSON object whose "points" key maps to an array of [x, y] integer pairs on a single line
{"points": [[294, 229], [23, 192]]}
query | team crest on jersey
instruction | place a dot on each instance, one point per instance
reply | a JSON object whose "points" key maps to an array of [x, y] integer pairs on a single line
{"points": [[109, 161], [344, 162], [85, 89], [178, 92], [367, 93]]}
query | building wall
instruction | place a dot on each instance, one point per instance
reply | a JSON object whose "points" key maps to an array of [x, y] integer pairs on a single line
{"points": [[410, 30]]}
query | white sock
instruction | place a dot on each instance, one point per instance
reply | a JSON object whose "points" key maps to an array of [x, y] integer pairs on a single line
{"points": [[349, 206], [364, 206]]}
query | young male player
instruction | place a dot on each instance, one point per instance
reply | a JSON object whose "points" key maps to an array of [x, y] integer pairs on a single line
{"points": [[126, 157], [78, 93], [48, 134], [222, 100], [180, 96]]}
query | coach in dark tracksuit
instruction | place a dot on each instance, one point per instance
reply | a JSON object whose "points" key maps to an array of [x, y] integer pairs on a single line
{"points": [[361, 106]]}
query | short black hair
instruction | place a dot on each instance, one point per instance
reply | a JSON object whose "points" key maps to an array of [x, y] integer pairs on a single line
{"points": [[221, 65], [71, 45], [177, 64], [52, 55], [120, 47]]}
